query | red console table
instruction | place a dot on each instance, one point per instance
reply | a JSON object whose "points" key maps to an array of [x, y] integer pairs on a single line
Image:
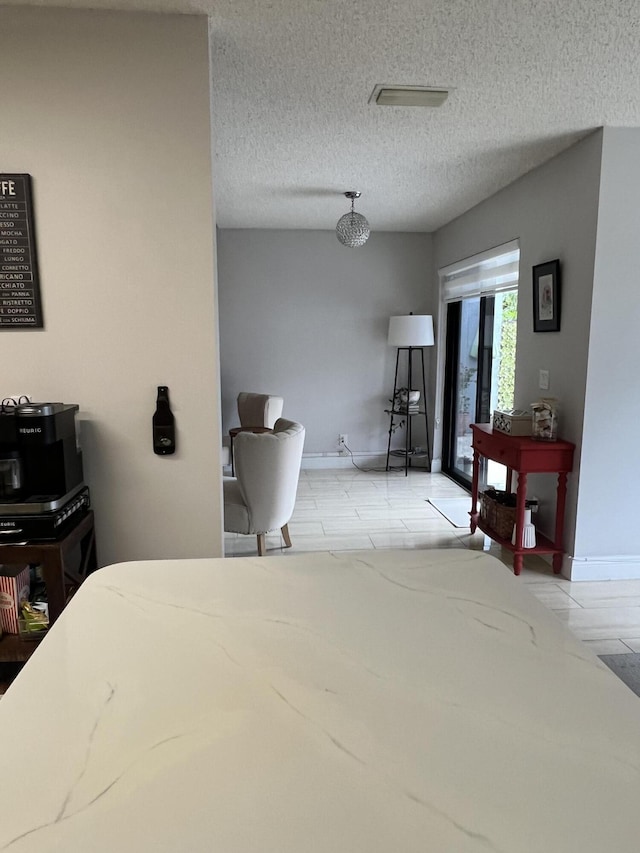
{"points": [[525, 456]]}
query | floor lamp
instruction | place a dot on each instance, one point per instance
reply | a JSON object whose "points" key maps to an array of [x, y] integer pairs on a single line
{"points": [[409, 333]]}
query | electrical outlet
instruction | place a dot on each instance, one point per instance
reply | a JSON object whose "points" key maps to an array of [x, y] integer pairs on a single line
{"points": [[543, 380], [343, 440]]}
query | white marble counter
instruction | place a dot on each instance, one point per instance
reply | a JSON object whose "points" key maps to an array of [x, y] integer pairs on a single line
{"points": [[373, 702]]}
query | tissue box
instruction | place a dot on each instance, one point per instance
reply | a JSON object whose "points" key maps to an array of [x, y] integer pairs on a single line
{"points": [[513, 421], [14, 588]]}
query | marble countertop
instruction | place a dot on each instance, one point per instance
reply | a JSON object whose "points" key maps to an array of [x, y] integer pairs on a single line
{"points": [[370, 702]]}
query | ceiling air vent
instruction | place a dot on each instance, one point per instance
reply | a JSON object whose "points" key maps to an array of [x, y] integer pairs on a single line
{"points": [[407, 96]]}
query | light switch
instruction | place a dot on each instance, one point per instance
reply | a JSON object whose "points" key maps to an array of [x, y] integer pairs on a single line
{"points": [[543, 381]]}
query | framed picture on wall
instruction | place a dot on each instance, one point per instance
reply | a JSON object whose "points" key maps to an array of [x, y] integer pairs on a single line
{"points": [[546, 297]]}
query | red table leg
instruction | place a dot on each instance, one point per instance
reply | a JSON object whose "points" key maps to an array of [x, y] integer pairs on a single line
{"points": [[520, 508]]}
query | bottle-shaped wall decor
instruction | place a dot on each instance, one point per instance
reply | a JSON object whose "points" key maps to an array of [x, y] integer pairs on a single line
{"points": [[164, 429]]}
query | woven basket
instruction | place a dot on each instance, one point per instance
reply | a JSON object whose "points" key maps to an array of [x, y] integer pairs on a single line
{"points": [[497, 516]]}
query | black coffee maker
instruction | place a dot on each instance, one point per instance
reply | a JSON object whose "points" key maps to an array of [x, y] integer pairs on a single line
{"points": [[41, 479]]}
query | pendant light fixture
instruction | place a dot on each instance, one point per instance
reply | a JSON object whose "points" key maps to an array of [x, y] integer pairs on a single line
{"points": [[352, 229]]}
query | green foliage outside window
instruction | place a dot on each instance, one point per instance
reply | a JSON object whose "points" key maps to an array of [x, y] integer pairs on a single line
{"points": [[507, 368]]}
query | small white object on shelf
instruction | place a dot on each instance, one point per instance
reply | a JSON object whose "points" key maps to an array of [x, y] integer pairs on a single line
{"points": [[528, 532]]}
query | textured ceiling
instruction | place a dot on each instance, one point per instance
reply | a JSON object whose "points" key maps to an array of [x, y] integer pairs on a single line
{"points": [[293, 128]]}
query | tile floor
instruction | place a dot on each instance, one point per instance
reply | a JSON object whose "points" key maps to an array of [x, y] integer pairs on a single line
{"points": [[347, 509]]}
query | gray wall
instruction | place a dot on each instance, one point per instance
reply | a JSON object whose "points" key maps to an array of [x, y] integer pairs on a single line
{"points": [[553, 210], [607, 509], [109, 113], [306, 318]]}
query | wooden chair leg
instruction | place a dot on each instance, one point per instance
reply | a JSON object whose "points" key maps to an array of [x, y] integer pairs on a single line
{"points": [[262, 544], [285, 536]]}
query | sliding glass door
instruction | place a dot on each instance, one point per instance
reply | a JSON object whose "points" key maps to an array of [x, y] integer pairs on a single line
{"points": [[480, 295], [479, 373]]}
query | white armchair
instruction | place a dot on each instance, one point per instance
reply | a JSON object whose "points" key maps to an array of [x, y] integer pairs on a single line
{"points": [[262, 495]]}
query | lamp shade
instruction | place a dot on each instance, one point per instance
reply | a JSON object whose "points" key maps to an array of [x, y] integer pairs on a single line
{"points": [[411, 330]]}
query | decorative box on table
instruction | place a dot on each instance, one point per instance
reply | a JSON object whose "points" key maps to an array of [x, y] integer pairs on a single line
{"points": [[512, 421]]}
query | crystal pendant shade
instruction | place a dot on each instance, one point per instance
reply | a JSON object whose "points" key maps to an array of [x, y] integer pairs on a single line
{"points": [[352, 229]]}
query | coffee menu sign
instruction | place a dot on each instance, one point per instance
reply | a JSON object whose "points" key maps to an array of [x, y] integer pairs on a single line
{"points": [[19, 285]]}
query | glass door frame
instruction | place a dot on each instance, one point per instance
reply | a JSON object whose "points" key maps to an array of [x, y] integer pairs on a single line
{"points": [[453, 312], [451, 377]]}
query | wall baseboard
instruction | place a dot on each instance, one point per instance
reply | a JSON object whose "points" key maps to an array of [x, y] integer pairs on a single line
{"points": [[336, 459], [362, 458], [614, 567]]}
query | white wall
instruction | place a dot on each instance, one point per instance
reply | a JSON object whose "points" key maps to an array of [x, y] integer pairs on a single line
{"points": [[109, 113], [307, 318], [607, 532], [553, 210]]}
